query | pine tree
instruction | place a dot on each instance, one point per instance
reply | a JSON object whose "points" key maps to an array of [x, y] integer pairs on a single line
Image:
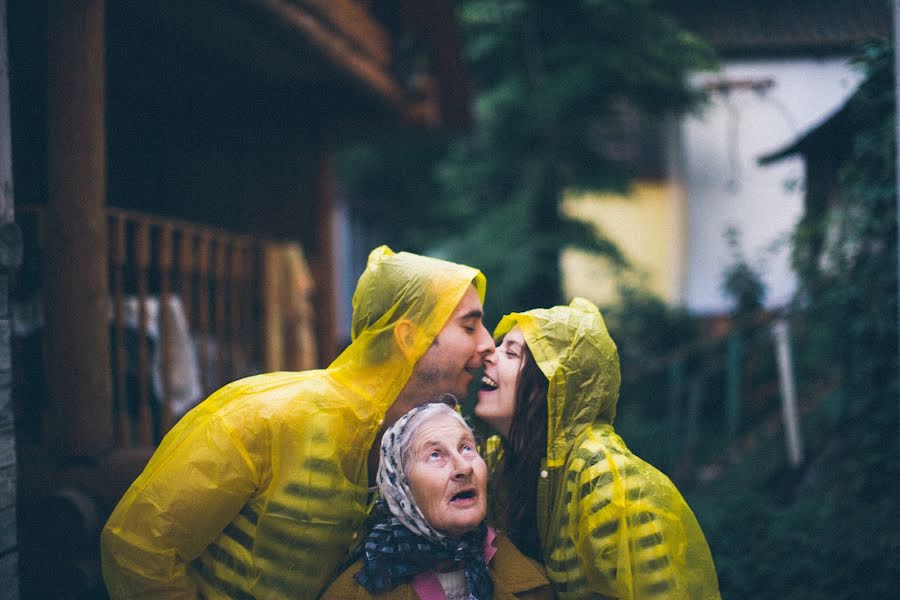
{"points": [[545, 73]]}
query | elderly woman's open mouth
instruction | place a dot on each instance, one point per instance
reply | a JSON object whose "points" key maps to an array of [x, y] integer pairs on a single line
{"points": [[465, 498]]}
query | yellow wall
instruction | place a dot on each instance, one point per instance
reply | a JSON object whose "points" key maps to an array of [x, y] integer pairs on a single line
{"points": [[648, 225]]}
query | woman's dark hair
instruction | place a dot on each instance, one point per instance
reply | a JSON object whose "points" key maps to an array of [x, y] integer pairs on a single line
{"points": [[523, 451]]}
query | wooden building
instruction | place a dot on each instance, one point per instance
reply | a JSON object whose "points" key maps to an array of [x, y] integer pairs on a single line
{"points": [[163, 156]]}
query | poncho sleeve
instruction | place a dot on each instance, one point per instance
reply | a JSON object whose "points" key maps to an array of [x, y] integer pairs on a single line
{"points": [[193, 487], [633, 531]]}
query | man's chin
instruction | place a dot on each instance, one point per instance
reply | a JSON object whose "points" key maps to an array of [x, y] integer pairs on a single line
{"points": [[448, 398]]}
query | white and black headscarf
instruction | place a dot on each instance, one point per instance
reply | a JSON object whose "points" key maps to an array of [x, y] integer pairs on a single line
{"points": [[401, 543]]}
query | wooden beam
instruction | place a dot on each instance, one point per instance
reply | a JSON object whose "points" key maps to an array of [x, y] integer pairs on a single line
{"points": [[6, 173], [436, 23], [354, 22], [79, 418], [323, 264], [336, 50]]}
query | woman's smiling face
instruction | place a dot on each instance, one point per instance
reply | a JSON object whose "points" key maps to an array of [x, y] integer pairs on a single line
{"points": [[447, 476], [497, 398]]}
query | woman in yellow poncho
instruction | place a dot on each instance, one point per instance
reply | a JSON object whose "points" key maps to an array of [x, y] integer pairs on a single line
{"points": [[605, 523]]}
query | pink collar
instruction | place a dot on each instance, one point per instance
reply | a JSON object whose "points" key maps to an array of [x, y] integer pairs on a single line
{"points": [[427, 586]]}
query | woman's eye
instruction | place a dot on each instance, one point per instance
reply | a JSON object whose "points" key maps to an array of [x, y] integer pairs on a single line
{"points": [[511, 354], [434, 455]]}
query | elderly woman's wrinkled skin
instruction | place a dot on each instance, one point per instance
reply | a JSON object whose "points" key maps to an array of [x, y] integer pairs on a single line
{"points": [[447, 476]]}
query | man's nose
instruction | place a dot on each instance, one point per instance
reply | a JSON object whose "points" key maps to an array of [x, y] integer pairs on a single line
{"points": [[491, 357], [485, 342]]}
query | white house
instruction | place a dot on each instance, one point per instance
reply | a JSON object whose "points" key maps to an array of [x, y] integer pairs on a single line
{"points": [[784, 68]]}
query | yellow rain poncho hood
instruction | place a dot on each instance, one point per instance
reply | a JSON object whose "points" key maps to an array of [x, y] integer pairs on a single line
{"points": [[610, 524], [260, 490], [574, 351]]}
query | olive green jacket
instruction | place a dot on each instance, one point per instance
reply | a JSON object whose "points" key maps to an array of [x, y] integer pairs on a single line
{"points": [[515, 576]]}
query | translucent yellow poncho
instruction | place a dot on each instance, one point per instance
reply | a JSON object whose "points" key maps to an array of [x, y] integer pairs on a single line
{"points": [[610, 524], [260, 490]]}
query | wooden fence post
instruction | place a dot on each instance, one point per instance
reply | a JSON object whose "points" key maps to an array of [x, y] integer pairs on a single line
{"points": [[676, 391], [733, 394]]}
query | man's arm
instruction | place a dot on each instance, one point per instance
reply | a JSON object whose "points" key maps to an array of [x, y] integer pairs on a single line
{"points": [[195, 484]]}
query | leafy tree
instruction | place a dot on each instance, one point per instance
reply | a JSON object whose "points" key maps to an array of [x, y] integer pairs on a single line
{"points": [[546, 73], [830, 529], [852, 286], [740, 281]]}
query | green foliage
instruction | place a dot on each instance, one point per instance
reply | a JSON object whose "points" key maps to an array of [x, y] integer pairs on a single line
{"points": [[831, 529], [852, 287], [741, 282], [544, 73], [646, 331]]}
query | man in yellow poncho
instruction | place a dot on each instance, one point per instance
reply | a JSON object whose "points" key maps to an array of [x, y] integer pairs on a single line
{"points": [[259, 491]]}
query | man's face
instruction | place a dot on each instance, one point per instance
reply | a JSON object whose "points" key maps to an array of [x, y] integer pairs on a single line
{"points": [[454, 357]]}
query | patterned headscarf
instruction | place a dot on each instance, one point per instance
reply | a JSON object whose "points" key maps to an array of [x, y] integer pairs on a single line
{"points": [[402, 543]]}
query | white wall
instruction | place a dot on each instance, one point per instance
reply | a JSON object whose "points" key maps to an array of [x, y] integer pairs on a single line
{"points": [[725, 186]]}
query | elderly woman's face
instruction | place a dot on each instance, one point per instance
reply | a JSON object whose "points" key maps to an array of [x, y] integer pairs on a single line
{"points": [[447, 476]]}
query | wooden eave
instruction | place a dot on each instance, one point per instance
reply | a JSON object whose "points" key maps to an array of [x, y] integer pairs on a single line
{"points": [[336, 43], [435, 21], [784, 28], [829, 136]]}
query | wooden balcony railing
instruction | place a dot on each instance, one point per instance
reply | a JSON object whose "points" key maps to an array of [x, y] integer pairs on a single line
{"points": [[187, 314]]}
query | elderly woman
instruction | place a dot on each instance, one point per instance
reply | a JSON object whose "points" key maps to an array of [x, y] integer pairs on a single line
{"points": [[429, 539], [605, 523]]}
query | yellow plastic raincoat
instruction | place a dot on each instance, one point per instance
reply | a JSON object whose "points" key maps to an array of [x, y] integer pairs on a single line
{"points": [[610, 524], [260, 490]]}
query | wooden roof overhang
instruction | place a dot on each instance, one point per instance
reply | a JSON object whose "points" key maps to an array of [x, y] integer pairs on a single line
{"points": [[338, 48], [787, 27]]}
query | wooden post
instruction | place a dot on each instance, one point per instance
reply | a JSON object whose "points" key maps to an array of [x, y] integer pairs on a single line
{"points": [[166, 326], [118, 254], [897, 176], [10, 259], [235, 327], [325, 267], [144, 429], [203, 249], [220, 271], [7, 212], [676, 391], [685, 471], [733, 394], [186, 274], [270, 291], [79, 417]]}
